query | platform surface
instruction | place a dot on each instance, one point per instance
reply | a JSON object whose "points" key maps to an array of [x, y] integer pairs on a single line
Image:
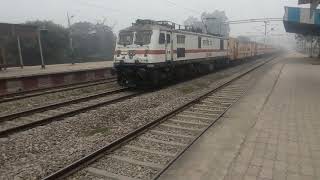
{"points": [[17, 72], [271, 133]]}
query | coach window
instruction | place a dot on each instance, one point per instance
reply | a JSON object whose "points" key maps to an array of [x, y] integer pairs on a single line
{"points": [[181, 52], [199, 42], [206, 42], [162, 38], [168, 39], [181, 39]]}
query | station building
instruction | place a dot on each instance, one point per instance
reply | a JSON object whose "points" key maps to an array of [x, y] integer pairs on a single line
{"points": [[305, 22]]}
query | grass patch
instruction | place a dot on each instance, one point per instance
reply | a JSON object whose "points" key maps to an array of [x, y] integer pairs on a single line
{"points": [[186, 89], [103, 131], [201, 84]]}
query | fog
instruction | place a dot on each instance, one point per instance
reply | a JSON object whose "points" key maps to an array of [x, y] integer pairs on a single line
{"points": [[122, 13]]}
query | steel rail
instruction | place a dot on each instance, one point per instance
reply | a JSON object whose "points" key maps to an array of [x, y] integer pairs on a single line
{"points": [[31, 125], [38, 92], [209, 126], [81, 163], [57, 105]]}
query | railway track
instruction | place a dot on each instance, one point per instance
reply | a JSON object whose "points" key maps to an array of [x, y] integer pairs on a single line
{"points": [[33, 93], [27, 119], [148, 151]]}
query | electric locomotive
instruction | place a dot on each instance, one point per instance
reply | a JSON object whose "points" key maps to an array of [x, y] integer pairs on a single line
{"points": [[151, 53]]}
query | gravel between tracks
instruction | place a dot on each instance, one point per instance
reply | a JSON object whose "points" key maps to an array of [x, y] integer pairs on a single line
{"points": [[46, 99], [40, 151]]}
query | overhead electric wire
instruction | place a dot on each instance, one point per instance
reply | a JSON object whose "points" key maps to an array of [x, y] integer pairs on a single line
{"points": [[253, 20], [185, 8], [99, 6]]}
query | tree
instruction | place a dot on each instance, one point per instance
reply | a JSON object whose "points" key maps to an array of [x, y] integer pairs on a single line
{"points": [[213, 22], [195, 23], [82, 43], [89, 40], [93, 40], [54, 44], [243, 38]]}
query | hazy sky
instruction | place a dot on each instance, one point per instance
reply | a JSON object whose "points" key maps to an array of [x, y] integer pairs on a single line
{"points": [[122, 13]]}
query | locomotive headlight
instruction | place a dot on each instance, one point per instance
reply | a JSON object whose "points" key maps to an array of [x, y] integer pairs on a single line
{"points": [[132, 52]]}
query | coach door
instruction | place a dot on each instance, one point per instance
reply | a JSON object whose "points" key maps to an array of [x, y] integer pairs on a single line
{"points": [[169, 46]]}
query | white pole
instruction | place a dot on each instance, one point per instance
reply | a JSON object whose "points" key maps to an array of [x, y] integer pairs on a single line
{"points": [[70, 39], [43, 66], [3, 53], [265, 32], [20, 52]]}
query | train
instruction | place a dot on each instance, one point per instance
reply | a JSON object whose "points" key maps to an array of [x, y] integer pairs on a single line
{"points": [[152, 53]]}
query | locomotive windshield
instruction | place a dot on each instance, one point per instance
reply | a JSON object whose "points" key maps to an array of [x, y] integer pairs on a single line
{"points": [[125, 38], [143, 37]]}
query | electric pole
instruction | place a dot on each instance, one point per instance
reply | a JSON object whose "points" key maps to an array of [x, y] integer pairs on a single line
{"points": [[70, 38], [265, 31]]}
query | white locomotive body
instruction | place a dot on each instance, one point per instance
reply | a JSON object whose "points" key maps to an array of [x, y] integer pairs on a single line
{"points": [[154, 52]]}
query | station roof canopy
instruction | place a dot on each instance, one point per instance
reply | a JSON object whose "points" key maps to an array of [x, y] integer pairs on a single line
{"points": [[302, 21]]}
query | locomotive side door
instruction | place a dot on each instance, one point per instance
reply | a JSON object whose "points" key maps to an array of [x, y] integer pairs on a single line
{"points": [[169, 46]]}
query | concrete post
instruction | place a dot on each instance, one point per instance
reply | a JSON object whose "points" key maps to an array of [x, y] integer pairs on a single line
{"points": [[318, 44], [43, 66], [1, 59], [3, 53], [311, 47], [20, 52], [70, 38]]}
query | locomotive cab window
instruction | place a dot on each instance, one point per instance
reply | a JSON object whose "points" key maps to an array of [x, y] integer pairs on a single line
{"points": [[125, 38], [143, 37], [162, 38], [199, 42]]}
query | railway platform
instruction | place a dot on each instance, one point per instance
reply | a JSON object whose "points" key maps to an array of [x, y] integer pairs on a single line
{"points": [[15, 79], [271, 133]]}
